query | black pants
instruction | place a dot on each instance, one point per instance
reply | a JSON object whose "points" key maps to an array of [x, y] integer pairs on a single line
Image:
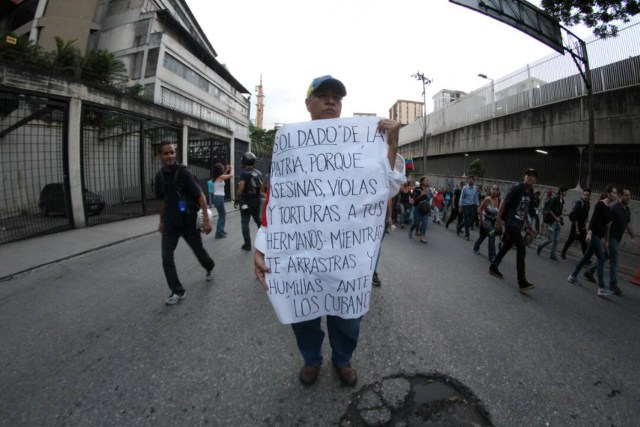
{"points": [[582, 236], [170, 239], [252, 211], [453, 215], [513, 236]]}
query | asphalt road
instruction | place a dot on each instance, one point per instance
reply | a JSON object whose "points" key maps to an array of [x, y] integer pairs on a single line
{"points": [[88, 341]]}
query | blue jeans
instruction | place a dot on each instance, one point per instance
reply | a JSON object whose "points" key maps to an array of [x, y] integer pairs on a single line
{"points": [[218, 202], [468, 212], [612, 256], [444, 211], [594, 248], [343, 337], [553, 234], [420, 221], [487, 229]]}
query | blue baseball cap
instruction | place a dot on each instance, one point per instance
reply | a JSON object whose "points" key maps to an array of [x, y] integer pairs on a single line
{"points": [[326, 82]]}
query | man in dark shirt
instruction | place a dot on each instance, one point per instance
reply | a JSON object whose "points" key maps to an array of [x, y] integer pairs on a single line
{"points": [[553, 219], [514, 209], [454, 205], [180, 197], [248, 197], [578, 216]]}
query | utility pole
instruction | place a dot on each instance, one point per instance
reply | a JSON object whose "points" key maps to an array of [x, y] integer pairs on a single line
{"points": [[425, 81]]}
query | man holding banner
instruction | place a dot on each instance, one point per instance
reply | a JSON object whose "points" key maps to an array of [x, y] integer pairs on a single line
{"points": [[323, 223]]}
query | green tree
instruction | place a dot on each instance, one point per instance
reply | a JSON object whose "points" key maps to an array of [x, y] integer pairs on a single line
{"points": [[66, 59], [19, 50], [476, 169], [261, 141], [596, 14], [103, 67]]}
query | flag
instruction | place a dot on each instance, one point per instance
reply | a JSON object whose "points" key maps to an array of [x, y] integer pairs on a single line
{"points": [[408, 164]]}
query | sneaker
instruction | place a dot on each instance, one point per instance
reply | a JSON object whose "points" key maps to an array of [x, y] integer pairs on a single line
{"points": [[589, 276], [476, 250], [175, 298], [553, 258], [309, 374], [493, 269], [563, 257], [604, 292], [615, 289], [525, 286], [221, 236], [246, 246], [347, 375], [423, 241], [376, 280], [209, 276], [572, 279], [458, 232]]}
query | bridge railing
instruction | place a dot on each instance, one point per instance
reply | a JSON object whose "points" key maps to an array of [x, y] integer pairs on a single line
{"points": [[614, 62]]}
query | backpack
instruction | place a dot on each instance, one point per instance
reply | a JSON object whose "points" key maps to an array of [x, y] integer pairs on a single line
{"points": [[254, 184]]}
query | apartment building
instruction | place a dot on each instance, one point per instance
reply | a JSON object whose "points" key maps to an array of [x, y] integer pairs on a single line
{"points": [[446, 97], [406, 112], [160, 42]]}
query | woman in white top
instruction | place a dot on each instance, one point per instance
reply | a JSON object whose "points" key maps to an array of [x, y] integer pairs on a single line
{"points": [[219, 175]]}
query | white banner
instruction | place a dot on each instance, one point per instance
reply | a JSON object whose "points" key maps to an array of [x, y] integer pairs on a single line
{"points": [[326, 213]]}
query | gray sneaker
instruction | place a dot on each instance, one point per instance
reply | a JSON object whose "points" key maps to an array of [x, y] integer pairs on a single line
{"points": [[604, 292], [572, 279], [175, 298], [209, 276]]}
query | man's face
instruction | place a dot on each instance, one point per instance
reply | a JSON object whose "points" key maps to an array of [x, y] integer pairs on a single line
{"points": [[529, 179], [586, 195], [471, 181], [324, 104], [167, 155], [625, 196]]}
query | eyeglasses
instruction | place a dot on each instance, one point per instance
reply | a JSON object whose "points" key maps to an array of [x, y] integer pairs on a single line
{"points": [[327, 97]]}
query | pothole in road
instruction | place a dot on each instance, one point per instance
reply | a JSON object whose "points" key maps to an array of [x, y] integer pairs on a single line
{"points": [[418, 400]]}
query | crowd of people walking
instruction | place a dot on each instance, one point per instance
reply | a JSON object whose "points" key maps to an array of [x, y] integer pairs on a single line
{"points": [[529, 219]]}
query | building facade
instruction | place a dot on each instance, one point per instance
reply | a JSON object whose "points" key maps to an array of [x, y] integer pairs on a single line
{"points": [[406, 112], [160, 43], [446, 97]]}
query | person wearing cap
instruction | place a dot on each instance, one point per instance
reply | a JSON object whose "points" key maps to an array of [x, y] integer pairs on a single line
{"points": [[553, 219], [324, 101], [513, 211]]}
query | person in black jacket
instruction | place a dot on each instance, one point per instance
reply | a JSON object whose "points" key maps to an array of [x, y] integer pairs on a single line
{"points": [[578, 216], [598, 239]]}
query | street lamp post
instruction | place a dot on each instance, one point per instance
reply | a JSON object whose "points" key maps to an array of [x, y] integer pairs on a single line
{"points": [[425, 81], [493, 93], [464, 167]]}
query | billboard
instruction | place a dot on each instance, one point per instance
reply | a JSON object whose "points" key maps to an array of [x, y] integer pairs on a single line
{"points": [[523, 16]]}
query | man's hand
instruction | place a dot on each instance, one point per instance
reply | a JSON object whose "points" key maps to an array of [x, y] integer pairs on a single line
{"points": [[206, 226], [392, 130], [261, 269]]}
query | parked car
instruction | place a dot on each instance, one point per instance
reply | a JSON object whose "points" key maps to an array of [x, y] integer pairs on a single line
{"points": [[52, 200]]}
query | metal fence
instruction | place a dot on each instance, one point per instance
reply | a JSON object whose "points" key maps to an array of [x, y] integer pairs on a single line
{"points": [[119, 163], [204, 151], [34, 189]]}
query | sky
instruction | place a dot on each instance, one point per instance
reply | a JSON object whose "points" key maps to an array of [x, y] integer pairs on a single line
{"points": [[372, 46]]}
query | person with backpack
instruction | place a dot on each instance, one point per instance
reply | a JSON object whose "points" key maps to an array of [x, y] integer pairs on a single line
{"points": [[180, 199], [554, 221], [248, 196], [578, 217]]}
